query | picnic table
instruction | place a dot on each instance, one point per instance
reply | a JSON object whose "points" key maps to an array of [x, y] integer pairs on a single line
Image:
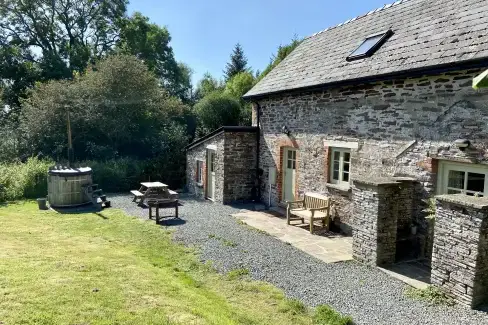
{"points": [[153, 190]]}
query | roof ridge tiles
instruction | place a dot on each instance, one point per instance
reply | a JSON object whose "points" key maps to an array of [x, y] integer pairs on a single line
{"points": [[386, 6]]}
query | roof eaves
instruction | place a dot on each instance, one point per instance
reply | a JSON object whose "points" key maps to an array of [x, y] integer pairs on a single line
{"points": [[220, 131], [441, 68]]}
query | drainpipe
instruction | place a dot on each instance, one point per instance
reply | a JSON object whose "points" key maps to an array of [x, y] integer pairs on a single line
{"points": [[258, 138]]}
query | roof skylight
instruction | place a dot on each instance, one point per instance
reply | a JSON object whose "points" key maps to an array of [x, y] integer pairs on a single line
{"points": [[370, 45]]}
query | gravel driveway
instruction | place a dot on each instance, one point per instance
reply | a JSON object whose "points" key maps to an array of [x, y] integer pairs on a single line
{"points": [[365, 293]]}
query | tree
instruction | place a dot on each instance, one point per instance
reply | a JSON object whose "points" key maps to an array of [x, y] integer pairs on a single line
{"points": [[53, 38], [240, 84], [150, 43], [207, 85], [237, 64], [215, 110], [282, 53], [116, 109]]}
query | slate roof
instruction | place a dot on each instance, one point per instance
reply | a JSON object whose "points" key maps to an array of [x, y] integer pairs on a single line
{"points": [[427, 33]]}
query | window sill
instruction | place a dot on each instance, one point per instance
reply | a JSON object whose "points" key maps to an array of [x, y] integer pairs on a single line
{"points": [[339, 187]]}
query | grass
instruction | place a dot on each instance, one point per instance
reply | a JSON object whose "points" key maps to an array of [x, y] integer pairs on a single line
{"points": [[325, 315], [237, 274], [224, 241], [109, 268], [431, 295]]}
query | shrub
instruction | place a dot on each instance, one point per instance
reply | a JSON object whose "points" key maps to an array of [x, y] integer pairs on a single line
{"points": [[325, 315], [29, 179], [24, 180], [431, 295]]}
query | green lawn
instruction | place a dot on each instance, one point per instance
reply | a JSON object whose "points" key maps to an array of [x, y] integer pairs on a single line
{"points": [[109, 268]]}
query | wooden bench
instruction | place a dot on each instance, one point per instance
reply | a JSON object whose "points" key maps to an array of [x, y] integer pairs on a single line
{"points": [[313, 207], [137, 195], [161, 204]]}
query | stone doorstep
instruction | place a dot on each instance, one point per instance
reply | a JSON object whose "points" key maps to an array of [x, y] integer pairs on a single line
{"points": [[416, 277]]}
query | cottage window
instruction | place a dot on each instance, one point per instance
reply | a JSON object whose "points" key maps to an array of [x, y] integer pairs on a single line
{"points": [[459, 178], [199, 175], [370, 45], [340, 166]]}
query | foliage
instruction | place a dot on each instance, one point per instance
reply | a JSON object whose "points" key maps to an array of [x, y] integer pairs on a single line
{"points": [[237, 64], [150, 43], [45, 39], [325, 315], [24, 180], [431, 207], [116, 110], [237, 87], [431, 295], [216, 110], [107, 268], [207, 85], [282, 53], [240, 84], [29, 180]]}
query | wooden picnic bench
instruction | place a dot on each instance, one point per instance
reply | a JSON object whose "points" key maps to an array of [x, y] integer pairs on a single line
{"points": [[153, 190], [313, 207], [161, 204]]}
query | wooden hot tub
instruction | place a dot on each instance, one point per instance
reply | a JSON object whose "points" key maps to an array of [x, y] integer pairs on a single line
{"points": [[65, 186]]}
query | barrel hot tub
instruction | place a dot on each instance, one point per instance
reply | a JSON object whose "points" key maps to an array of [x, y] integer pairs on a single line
{"points": [[65, 186]]}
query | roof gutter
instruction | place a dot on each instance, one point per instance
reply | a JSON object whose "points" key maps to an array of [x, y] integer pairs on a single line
{"points": [[417, 72]]}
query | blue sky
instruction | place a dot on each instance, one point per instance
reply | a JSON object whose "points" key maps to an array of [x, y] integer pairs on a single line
{"points": [[204, 32]]}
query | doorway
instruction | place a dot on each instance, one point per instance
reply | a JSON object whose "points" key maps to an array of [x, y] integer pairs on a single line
{"points": [[211, 174], [289, 172]]}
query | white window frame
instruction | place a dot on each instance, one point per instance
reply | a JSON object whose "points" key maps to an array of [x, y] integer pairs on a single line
{"points": [[342, 152], [443, 176], [199, 171]]}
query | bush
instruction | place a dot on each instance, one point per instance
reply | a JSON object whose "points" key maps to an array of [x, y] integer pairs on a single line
{"points": [[24, 180], [29, 180], [431, 295]]}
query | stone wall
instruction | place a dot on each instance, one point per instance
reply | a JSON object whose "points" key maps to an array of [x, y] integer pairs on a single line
{"points": [[235, 166], [239, 165], [400, 128], [199, 152], [375, 221], [460, 256]]}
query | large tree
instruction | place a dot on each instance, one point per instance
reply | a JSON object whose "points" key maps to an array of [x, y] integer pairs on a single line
{"points": [[237, 63], [151, 43], [215, 110], [51, 39], [117, 109]]}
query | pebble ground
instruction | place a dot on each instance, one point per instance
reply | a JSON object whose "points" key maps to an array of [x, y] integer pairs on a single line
{"points": [[365, 293]]}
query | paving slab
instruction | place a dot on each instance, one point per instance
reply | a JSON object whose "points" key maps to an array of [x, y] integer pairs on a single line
{"points": [[330, 248]]}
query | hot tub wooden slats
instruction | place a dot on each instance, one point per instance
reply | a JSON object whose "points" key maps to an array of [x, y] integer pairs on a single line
{"points": [[66, 190]]}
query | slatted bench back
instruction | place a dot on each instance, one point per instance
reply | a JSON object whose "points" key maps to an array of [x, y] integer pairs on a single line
{"points": [[314, 200]]}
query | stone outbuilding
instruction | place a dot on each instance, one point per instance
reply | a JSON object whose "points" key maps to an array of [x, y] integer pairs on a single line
{"points": [[221, 166]]}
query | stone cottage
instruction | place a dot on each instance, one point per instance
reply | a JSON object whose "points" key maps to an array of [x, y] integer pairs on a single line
{"points": [[221, 166], [379, 114]]}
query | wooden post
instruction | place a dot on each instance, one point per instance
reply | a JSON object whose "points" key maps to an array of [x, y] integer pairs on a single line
{"points": [[70, 143]]}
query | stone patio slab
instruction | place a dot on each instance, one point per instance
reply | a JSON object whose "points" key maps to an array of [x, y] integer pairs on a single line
{"points": [[330, 249]]}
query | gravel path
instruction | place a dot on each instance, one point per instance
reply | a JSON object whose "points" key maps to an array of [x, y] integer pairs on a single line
{"points": [[365, 293]]}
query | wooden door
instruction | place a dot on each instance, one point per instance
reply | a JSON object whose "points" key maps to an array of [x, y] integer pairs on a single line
{"points": [[289, 172], [210, 174]]}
